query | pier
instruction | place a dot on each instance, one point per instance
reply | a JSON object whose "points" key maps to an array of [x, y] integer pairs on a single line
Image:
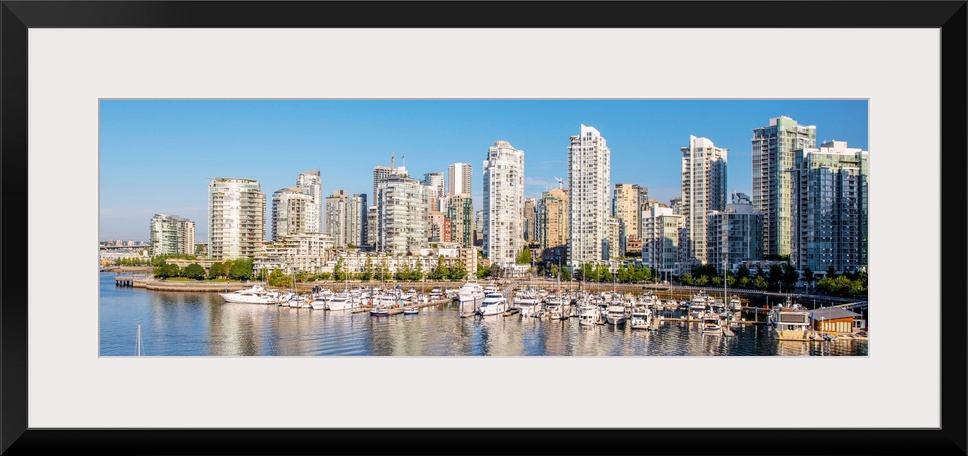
{"points": [[130, 280]]}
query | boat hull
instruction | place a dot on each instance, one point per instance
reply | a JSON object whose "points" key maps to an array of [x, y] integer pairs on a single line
{"points": [[792, 334]]}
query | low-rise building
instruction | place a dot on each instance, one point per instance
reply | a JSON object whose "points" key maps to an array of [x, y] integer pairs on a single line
{"points": [[833, 320]]}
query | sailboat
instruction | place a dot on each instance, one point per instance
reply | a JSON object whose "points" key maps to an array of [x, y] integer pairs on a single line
{"points": [[732, 313]]}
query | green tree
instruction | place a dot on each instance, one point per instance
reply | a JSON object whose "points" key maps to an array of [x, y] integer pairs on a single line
{"points": [[495, 271], [417, 274], [339, 271], [241, 269], [482, 271], [831, 272], [760, 283], [458, 271], [403, 271], [716, 281], [808, 277], [702, 281], [194, 271], [278, 279], [686, 279], [367, 274], [216, 270], [790, 276], [743, 282], [624, 274], [743, 272], [588, 273], [565, 275], [524, 256], [604, 275], [167, 271], [776, 276], [384, 270], [439, 271], [227, 268]]}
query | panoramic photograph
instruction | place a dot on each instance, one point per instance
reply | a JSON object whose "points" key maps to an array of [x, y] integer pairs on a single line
{"points": [[483, 227]]}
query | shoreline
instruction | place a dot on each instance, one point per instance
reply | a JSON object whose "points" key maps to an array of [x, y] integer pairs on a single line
{"points": [[754, 297]]}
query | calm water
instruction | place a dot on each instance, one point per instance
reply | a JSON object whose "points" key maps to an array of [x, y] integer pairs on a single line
{"points": [[201, 324]]}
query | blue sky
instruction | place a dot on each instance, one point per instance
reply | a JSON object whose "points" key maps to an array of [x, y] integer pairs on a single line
{"points": [[158, 156]]}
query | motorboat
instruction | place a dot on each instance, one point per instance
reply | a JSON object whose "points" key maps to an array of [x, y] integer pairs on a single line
{"points": [[641, 317], [410, 310], [555, 307], [257, 294], [790, 321], [493, 304], [698, 304], [616, 314], [341, 301], [711, 323], [527, 302], [589, 315], [735, 304], [469, 298]]}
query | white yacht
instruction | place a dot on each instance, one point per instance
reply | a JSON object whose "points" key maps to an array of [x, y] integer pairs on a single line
{"points": [[697, 306], [641, 317], [257, 294], [469, 298], [341, 301], [711, 323], [556, 307], [493, 304], [735, 304], [527, 302], [790, 321], [616, 313], [589, 314]]}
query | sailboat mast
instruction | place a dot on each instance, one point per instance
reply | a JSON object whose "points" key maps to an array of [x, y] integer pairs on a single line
{"points": [[138, 351]]}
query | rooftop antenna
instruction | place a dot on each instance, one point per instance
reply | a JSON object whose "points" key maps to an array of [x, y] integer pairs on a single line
{"points": [[391, 161]]}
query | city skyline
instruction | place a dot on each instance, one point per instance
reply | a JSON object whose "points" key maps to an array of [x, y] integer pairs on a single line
{"points": [[173, 148]]}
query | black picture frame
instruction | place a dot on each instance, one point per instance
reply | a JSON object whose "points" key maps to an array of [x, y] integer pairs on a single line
{"points": [[17, 17]]}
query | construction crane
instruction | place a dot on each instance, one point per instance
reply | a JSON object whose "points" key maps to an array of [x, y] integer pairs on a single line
{"points": [[560, 184]]}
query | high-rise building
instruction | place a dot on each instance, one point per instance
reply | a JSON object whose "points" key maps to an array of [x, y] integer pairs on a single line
{"points": [[553, 218], [773, 187], [589, 173], [459, 179], [478, 228], [703, 190], [291, 209], [660, 241], [734, 235], [628, 203], [236, 218], [436, 225], [831, 213], [372, 227], [346, 218], [311, 184], [435, 191], [615, 247], [503, 203], [382, 173], [530, 219], [402, 216], [172, 235], [460, 212]]}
